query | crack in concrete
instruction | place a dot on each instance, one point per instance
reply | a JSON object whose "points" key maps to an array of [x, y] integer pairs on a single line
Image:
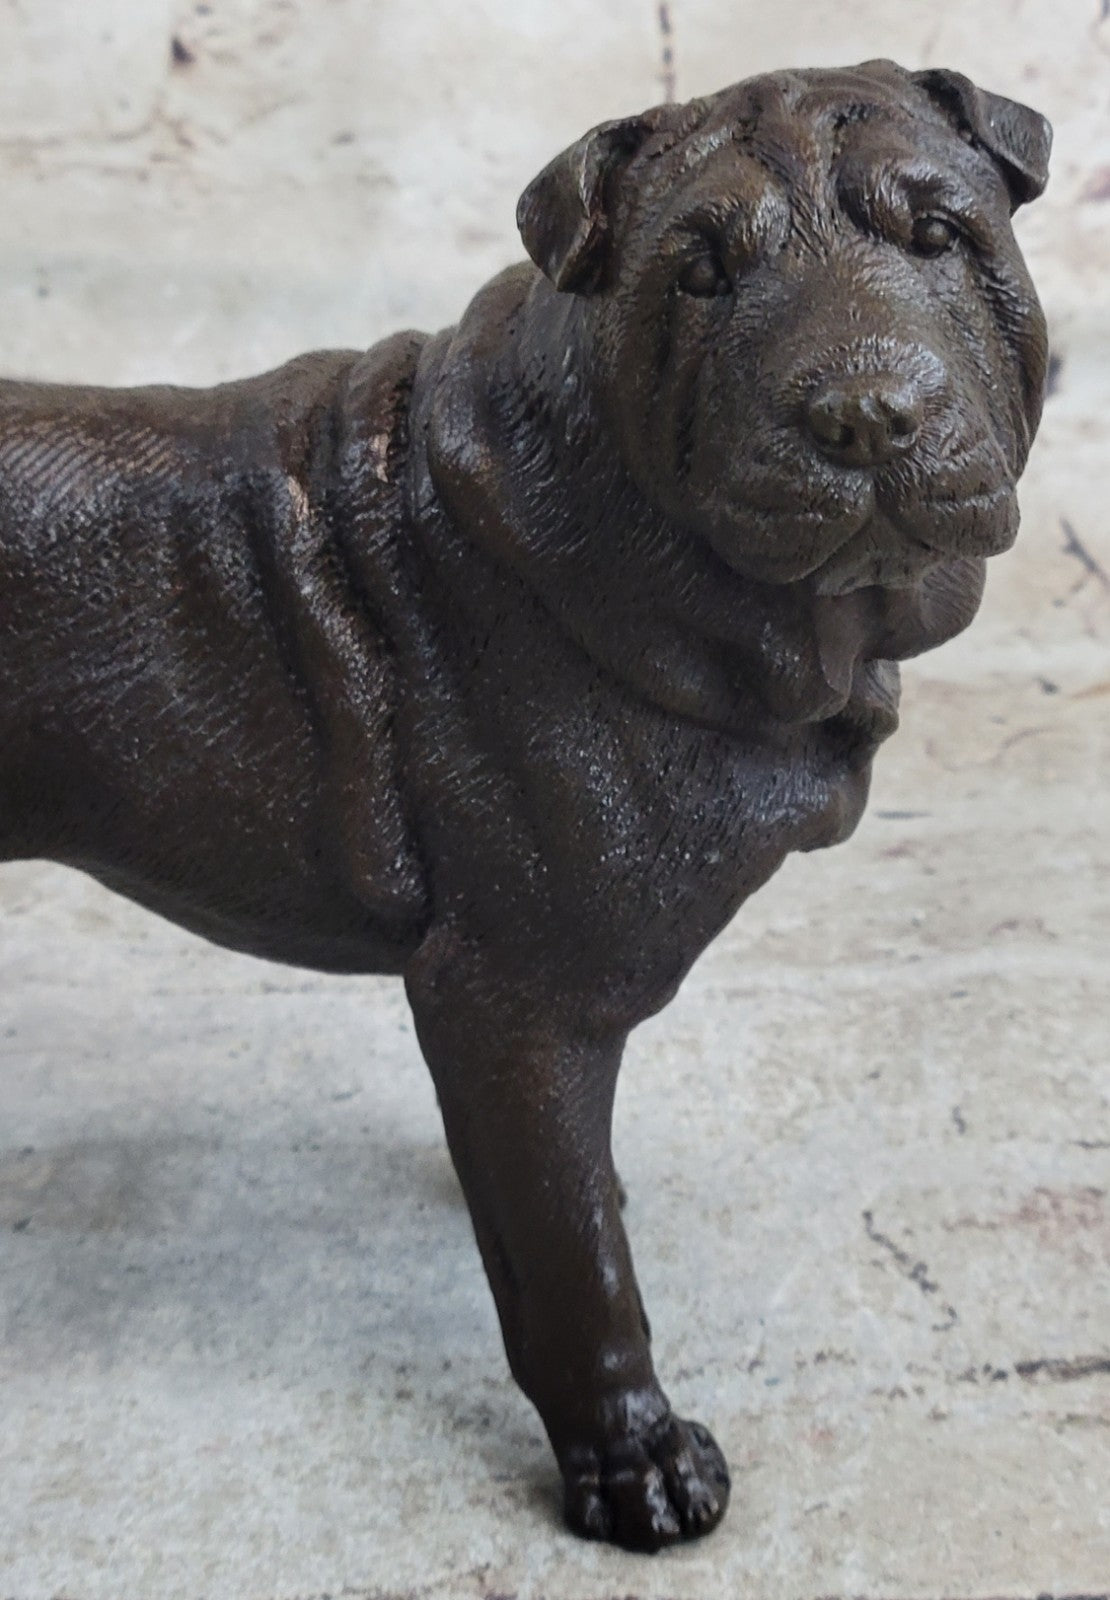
{"points": [[984, 1374], [916, 1271], [1074, 546], [666, 51], [1063, 1370]]}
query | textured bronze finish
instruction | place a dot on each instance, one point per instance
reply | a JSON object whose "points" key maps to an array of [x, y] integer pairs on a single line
{"points": [[513, 659]]}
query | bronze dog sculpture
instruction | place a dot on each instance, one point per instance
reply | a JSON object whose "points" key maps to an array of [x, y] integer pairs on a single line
{"points": [[515, 658]]}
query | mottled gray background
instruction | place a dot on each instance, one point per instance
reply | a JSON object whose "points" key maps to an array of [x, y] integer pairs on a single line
{"points": [[246, 1345]]}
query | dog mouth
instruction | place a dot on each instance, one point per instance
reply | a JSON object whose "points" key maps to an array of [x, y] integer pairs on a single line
{"points": [[839, 576], [898, 546], [844, 531]]}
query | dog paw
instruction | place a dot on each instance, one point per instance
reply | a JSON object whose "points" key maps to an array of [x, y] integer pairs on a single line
{"points": [[646, 1492]]}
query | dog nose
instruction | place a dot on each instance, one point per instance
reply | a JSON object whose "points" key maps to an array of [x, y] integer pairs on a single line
{"points": [[864, 419]]}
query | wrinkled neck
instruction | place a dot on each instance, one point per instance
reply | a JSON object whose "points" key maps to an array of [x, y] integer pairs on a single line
{"points": [[527, 470]]}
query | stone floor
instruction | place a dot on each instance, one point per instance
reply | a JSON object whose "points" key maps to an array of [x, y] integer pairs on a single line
{"points": [[246, 1349]]}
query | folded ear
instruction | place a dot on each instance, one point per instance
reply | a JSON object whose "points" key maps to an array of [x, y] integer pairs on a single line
{"points": [[563, 214], [1018, 138]]}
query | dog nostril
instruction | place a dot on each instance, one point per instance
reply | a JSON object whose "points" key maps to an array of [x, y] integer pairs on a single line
{"points": [[827, 417], [863, 419]]}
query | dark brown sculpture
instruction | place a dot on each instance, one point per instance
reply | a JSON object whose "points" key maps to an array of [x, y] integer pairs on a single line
{"points": [[514, 659]]}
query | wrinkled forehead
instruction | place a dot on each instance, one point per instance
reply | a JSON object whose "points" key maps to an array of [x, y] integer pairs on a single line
{"points": [[788, 130], [810, 111]]}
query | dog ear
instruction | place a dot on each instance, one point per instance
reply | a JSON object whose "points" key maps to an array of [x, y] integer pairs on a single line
{"points": [[563, 215], [1018, 138]]}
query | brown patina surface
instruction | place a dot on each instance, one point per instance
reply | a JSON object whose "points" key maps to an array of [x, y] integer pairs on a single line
{"points": [[512, 660]]}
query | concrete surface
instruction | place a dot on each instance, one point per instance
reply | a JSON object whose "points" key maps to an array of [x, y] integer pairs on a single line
{"points": [[247, 1349]]}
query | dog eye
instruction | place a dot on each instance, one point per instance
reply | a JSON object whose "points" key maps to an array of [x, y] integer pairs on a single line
{"points": [[932, 236], [704, 276]]}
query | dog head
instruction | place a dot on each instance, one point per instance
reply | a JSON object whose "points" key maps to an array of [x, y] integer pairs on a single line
{"points": [[806, 319]]}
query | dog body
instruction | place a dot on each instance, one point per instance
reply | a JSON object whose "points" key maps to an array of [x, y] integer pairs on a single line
{"points": [[514, 659], [187, 657]]}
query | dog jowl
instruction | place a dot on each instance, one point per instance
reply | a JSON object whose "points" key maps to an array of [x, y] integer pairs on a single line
{"points": [[513, 659]]}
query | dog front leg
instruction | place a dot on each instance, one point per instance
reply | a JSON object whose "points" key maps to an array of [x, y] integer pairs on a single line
{"points": [[527, 1103]]}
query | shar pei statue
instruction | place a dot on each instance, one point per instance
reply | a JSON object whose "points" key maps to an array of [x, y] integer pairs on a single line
{"points": [[512, 659]]}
